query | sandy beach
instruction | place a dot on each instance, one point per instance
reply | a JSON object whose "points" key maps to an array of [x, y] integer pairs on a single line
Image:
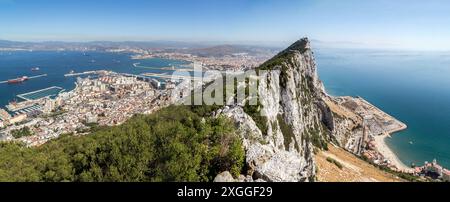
{"points": [[384, 149]]}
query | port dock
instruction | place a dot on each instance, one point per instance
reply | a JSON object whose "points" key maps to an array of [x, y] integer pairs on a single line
{"points": [[173, 68], [176, 77], [42, 93], [85, 73], [32, 99]]}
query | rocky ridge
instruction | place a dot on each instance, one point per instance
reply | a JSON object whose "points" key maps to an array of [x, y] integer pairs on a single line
{"points": [[292, 99]]}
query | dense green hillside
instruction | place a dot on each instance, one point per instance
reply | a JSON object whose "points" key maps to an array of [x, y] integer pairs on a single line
{"points": [[174, 144]]}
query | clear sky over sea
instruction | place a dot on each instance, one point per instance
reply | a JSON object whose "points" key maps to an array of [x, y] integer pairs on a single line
{"points": [[400, 24]]}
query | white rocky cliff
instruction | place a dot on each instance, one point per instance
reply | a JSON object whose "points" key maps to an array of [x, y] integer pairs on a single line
{"points": [[280, 146]]}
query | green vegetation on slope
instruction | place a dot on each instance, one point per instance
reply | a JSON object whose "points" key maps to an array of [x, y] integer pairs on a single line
{"points": [[253, 111], [288, 134], [174, 144], [285, 56], [23, 132], [315, 136]]}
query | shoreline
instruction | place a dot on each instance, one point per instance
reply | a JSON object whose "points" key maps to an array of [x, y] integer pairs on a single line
{"points": [[389, 154], [382, 146]]}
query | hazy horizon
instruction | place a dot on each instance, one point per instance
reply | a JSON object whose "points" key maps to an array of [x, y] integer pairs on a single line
{"points": [[379, 24], [316, 44]]}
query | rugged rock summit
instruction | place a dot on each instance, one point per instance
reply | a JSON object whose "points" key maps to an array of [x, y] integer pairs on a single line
{"points": [[280, 146]]}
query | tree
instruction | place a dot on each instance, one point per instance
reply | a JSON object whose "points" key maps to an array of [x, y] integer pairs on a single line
{"points": [[23, 132], [173, 144]]}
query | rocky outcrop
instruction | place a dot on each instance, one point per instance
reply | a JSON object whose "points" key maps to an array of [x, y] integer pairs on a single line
{"points": [[296, 118], [224, 177], [227, 177]]}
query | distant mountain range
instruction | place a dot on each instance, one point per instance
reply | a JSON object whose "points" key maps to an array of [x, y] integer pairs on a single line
{"points": [[204, 49], [51, 45]]}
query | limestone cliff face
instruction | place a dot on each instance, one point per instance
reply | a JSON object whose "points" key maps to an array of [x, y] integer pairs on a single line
{"points": [[297, 118]]}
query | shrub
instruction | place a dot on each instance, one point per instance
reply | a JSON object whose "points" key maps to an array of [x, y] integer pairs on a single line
{"points": [[337, 163], [174, 144]]}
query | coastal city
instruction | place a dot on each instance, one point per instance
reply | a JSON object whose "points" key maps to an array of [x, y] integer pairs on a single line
{"points": [[103, 97], [110, 99], [107, 98], [236, 61]]}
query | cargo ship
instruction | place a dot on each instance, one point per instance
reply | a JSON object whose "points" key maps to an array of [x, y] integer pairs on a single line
{"points": [[18, 80]]}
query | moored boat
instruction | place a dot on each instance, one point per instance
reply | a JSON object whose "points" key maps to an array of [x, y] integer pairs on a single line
{"points": [[18, 80]]}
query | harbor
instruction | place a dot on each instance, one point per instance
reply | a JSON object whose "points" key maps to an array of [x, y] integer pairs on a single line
{"points": [[123, 94]]}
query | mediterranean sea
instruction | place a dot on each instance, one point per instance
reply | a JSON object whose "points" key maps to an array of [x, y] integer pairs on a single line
{"points": [[414, 87]]}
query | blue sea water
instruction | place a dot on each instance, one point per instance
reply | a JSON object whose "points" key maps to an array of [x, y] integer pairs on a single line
{"points": [[414, 87], [56, 64]]}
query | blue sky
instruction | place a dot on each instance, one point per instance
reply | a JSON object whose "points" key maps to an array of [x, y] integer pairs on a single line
{"points": [[399, 24]]}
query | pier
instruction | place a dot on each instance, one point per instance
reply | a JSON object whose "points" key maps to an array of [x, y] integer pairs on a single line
{"points": [[42, 93], [173, 68], [85, 73], [29, 77], [32, 99], [165, 76], [16, 107], [138, 65]]}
